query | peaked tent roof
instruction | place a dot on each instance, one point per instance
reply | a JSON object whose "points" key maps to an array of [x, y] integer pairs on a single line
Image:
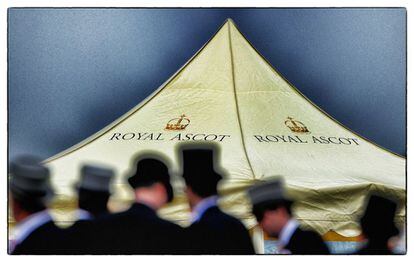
{"points": [[230, 94]]}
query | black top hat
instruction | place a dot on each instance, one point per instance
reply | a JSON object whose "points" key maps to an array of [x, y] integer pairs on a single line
{"points": [[30, 179], [378, 219], [95, 178], [198, 171], [271, 191], [149, 171]]}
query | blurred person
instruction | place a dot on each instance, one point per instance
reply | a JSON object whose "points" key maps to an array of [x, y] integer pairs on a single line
{"points": [[272, 210], [93, 191], [30, 193], [139, 230], [93, 194], [212, 231], [378, 226]]}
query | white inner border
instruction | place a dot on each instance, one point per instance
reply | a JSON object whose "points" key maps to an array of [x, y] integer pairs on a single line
{"points": [[4, 4]]}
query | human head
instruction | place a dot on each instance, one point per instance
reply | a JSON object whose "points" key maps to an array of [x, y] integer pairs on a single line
{"points": [[270, 206], [272, 216], [30, 187], [96, 203], [94, 189], [377, 223], [151, 181], [199, 172]]}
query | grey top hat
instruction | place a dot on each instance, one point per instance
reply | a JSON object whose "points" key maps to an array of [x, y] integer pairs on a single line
{"points": [[95, 178], [29, 178], [268, 191]]}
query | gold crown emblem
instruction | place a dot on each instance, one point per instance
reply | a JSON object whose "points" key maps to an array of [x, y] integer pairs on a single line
{"points": [[296, 126], [179, 123]]}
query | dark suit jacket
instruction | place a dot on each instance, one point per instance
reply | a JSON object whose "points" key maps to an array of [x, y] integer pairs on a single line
{"points": [[136, 231], [44, 240], [78, 237], [218, 233], [306, 242], [375, 249]]}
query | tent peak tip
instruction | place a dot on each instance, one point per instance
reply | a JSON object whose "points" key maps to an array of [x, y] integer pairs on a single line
{"points": [[229, 20]]}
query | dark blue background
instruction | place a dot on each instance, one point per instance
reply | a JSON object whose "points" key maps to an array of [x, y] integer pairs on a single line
{"points": [[74, 71]]}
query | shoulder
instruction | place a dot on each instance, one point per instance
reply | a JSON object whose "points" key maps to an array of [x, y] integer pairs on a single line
{"points": [[48, 229], [134, 218], [43, 240], [215, 213], [113, 218], [79, 225], [166, 224], [308, 242], [215, 216]]}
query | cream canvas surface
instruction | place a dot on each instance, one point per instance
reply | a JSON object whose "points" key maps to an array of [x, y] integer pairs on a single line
{"points": [[229, 94]]}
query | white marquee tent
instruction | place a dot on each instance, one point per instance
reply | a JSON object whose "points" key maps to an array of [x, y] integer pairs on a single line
{"points": [[228, 93]]}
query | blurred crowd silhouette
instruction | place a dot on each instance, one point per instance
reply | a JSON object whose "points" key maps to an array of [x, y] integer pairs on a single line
{"points": [[139, 230]]}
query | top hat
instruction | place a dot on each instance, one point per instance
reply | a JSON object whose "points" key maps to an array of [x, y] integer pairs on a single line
{"points": [[379, 217], [271, 191], [95, 178], [198, 169], [149, 171], [30, 179]]}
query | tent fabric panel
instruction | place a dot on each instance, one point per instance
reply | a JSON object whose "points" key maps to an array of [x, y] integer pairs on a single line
{"points": [[227, 88]]}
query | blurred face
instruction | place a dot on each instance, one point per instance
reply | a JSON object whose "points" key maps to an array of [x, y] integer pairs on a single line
{"points": [[155, 195], [274, 220], [18, 213], [161, 193]]}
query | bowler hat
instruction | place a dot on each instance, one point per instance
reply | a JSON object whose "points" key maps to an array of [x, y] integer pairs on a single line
{"points": [[95, 178], [198, 170], [271, 191], [149, 171], [30, 179]]}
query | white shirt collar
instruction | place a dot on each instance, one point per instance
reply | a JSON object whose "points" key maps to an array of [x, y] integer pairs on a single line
{"points": [[202, 206], [82, 214], [25, 227], [287, 232]]}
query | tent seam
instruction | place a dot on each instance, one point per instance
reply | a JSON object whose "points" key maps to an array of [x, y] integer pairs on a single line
{"points": [[315, 105], [237, 104]]}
